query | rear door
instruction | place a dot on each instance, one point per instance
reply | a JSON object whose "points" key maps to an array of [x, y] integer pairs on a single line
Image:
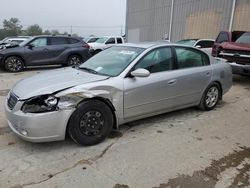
{"points": [[39, 54], [57, 45], [193, 75]]}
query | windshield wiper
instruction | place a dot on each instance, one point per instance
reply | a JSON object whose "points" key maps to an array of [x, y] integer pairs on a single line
{"points": [[88, 70]]}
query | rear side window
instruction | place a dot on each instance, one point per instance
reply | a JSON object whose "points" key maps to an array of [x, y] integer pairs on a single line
{"points": [[119, 40], [58, 41], [205, 44], [73, 41], [188, 58], [223, 37], [111, 41]]}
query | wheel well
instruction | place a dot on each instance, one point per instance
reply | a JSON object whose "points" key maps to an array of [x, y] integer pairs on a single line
{"points": [[105, 101], [220, 88], [15, 56], [108, 103]]}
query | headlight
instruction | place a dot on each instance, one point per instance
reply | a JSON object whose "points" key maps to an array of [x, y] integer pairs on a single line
{"points": [[44, 103]]}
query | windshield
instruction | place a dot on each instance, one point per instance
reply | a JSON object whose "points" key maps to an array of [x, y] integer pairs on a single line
{"points": [[102, 40], [112, 61], [187, 42], [245, 38]]}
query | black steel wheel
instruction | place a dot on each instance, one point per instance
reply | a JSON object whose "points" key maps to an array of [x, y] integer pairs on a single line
{"points": [[91, 123], [14, 64]]}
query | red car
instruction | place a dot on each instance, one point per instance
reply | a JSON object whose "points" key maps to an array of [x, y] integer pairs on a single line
{"points": [[235, 48]]}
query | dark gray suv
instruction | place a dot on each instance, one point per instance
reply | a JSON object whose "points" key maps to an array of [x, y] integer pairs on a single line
{"points": [[44, 50]]}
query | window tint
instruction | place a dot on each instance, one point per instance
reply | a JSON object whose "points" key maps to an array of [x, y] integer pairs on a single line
{"points": [[73, 41], [223, 37], [187, 58], [39, 42], [245, 38], [111, 41], [157, 60], [58, 40], [92, 40], [205, 44], [119, 40]]}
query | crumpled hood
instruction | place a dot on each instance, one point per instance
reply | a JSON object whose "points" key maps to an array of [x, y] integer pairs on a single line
{"points": [[53, 81], [236, 46]]}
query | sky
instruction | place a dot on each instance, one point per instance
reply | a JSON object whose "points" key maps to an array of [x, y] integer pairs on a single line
{"points": [[85, 17]]}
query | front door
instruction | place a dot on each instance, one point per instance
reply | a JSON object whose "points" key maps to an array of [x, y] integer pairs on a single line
{"points": [[154, 93], [38, 54]]}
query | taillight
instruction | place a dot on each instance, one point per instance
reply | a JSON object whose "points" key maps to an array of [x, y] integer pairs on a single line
{"points": [[86, 45]]}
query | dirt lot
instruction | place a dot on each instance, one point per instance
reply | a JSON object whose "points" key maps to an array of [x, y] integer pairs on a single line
{"points": [[184, 149]]}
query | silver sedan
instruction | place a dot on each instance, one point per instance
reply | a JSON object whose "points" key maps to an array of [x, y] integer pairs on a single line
{"points": [[121, 84]]}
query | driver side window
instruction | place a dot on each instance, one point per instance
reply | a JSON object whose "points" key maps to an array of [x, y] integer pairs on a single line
{"points": [[111, 41], [40, 42], [158, 60]]}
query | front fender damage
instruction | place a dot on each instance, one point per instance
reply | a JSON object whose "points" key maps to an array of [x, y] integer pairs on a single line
{"points": [[71, 98]]}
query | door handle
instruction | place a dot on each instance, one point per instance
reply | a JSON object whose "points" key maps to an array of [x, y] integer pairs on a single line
{"points": [[171, 82], [45, 49]]}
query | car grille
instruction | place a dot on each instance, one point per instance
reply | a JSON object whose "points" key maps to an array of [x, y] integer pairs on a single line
{"points": [[12, 100], [237, 52]]}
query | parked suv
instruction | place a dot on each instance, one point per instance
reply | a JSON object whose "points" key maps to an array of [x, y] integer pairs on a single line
{"points": [[104, 42], [235, 48], [44, 50]]}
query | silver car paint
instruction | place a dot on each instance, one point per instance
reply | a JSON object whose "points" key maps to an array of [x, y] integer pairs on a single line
{"points": [[131, 98]]}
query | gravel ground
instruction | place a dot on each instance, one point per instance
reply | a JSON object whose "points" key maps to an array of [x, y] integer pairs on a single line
{"points": [[185, 149]]}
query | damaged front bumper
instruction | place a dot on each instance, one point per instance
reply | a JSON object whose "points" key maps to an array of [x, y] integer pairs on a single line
{"points": [[38, 127]]}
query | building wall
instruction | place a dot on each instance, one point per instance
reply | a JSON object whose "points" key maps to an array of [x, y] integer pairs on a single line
{"points": [[149, 20]]}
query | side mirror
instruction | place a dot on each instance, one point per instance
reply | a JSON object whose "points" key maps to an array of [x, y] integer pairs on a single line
{"points": [[198, 46], [141, 73], [30, 46]]}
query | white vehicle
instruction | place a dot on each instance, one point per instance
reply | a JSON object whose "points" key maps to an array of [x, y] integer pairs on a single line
{"points": [[104, 42], [204, 44], [17, 40]]}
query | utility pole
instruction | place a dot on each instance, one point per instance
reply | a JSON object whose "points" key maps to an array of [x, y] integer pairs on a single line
{"points": [[171, 21], [232, 16], [121, 30]]}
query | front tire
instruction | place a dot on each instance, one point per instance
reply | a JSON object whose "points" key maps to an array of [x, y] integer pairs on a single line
{"points": [[14, 64], [91, 123], [210, 97]]}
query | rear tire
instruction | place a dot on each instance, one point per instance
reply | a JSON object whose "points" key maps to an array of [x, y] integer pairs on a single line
{"points": [[91, 123], [210, 97], [74, 60], [14, 64]]}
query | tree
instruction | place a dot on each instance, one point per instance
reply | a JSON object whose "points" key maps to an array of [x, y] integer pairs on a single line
{"points": [[12, 26], [34, 30], [47, 32], [55, 32]]}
